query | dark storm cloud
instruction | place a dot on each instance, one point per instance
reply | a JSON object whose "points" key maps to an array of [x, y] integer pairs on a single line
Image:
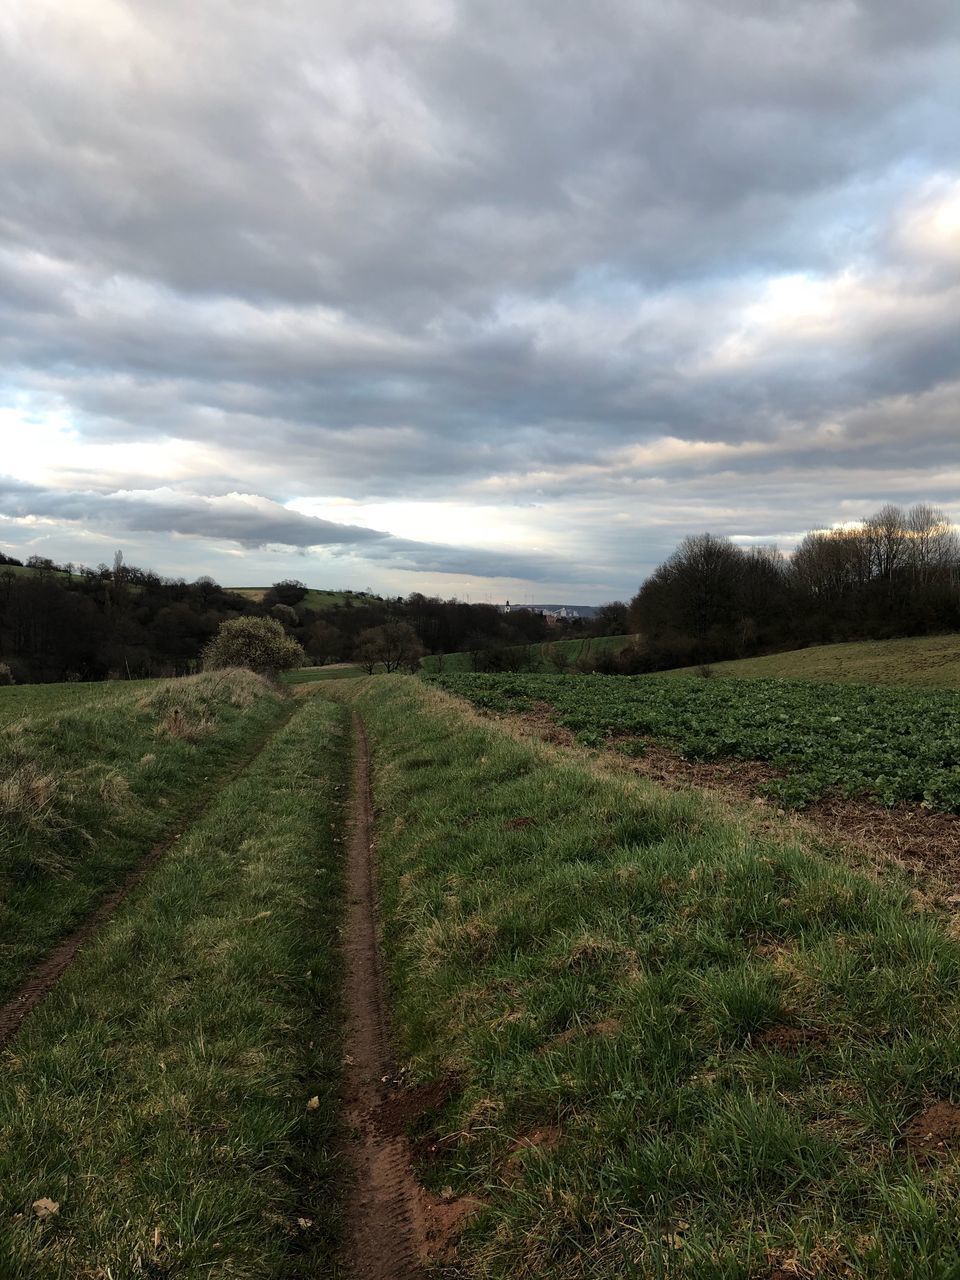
{"points": [[535, 253]]}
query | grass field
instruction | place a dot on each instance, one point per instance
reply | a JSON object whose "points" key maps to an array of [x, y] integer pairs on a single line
{"points": [[540, 654], [21, 700], [893, 744], [926, 660], [314, 599], [161, 1097], [676, 1050], [309, 675], [86, 789], [20, 569]]}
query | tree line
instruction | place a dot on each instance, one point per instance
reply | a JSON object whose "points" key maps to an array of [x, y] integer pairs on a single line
{"points": [[896, 573], [69, 622]]}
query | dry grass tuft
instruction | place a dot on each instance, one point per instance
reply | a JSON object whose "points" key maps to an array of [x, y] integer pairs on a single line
{"points": [[176, 724], [26, 796]]}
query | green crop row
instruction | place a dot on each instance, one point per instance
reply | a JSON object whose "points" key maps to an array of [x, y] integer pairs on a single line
{"points": [[894, 745]]}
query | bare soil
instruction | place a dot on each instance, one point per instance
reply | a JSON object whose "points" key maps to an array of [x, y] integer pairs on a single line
{"points": [[934, 1133], [790, 1040], [395, 1228]]}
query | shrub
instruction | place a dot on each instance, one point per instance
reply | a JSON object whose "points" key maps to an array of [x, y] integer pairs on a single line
{"points": [[283, 613], [6, 675], [289, 592], [259, 644]]}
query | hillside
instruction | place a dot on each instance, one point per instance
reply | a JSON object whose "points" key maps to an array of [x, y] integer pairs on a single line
{"points": [[314, 599], [926, 660]]}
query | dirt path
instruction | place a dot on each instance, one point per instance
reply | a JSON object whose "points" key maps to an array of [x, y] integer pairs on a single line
{"points": [[394, 1227], [45, 976]]}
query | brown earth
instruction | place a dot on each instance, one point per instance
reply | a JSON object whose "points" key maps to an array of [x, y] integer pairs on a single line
{"points": [[395, 1228], [935, 1132], [789, 1040], [45, 976]]}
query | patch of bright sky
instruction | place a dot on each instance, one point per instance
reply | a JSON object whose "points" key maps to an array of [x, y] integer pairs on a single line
{"points": [[443, 522], [45, 448]]}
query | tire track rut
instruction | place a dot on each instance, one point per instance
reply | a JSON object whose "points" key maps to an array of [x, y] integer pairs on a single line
{"points": [[394, 1226]]}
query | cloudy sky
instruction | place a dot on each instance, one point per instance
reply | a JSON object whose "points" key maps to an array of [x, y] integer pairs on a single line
{"points": [[480, 297]]}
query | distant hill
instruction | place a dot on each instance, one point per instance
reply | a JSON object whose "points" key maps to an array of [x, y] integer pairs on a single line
{"points": [[924, 660], [315, 599]]}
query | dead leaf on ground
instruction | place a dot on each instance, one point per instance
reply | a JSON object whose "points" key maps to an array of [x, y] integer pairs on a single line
{"points": [[45, 1208], [313, 1104]]}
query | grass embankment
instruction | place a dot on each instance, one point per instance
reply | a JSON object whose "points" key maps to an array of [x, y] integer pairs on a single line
{"points": [[85, 791], [161, 1096], [893, 745], [929, 660], [680, 1051], [542, 657]]}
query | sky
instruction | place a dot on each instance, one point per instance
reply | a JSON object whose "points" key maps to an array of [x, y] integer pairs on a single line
{"points": [[487, 298]]}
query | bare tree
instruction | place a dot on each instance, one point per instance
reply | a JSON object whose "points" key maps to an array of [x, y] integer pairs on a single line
{"points": [[394, 646]]}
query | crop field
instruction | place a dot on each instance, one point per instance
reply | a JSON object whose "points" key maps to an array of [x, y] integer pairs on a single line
{"points": [[543, 657], [893, 745], [349, 978], [923, 660]]}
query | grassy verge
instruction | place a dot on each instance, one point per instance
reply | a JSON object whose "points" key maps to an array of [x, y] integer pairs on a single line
{"points": [[924, 660], [86, 791], [680, 1051], [160, 1096]]}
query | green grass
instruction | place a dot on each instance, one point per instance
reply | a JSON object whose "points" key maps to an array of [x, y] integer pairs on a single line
{"points": [[924, 660], [160, 1094], [594, 960], [21, 570], [308, 675], [41, 699], [570, 651], [315, 599], [87, 789], [892, 744]]}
